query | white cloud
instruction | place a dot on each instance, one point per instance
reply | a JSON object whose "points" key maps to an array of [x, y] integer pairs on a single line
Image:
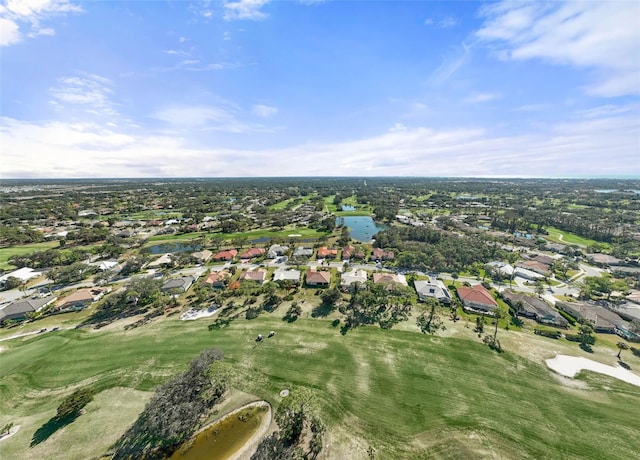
{"points": [[90, 91], [443, 23], [264, 111], [9, 32], [567, 149], [477, 98], [244, 9], [600, 36], [223, 117], [16, 13]]}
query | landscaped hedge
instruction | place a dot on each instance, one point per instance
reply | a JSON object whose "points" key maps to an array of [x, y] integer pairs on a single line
{"points": [[546, 332], [572, 337], [568, 317]]}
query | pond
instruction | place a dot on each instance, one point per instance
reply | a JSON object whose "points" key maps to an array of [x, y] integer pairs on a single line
{"points": [[225, 437], [172, 248], [348, 208], [361, 228]]}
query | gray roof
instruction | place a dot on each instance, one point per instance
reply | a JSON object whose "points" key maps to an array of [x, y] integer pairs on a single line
{"points": [[20, 308], [302, 251], [291, 275], [178, 283]]}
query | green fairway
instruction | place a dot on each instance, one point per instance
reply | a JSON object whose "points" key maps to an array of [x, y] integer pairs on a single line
{"points": [[6, 253], [408, 395], [569, 238]]}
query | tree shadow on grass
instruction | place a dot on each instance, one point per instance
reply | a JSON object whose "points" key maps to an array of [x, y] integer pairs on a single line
{"points": [[322, 310], [54, 424], [586, 347]]}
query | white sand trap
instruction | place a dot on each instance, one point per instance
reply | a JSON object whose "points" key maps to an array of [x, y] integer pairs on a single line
{"points": [[570, 366], [294, 235], [196, 314]]}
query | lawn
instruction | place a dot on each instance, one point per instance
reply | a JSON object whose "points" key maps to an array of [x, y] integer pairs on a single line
{"points": [[569, 238], [408, 395], [6, 253]]}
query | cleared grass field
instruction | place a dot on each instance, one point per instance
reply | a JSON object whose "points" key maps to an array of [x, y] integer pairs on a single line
{"points": [[6, 253], [569, 238], [408, 395]]}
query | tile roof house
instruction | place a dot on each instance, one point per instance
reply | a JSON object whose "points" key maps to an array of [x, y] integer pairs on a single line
{"points": [[389, 278], [218, 279], [380, 255], [287, 275], [604, 259], [316, 278], [20, 308], [252, 253], [477, 299], [202, 256], [534, 307], [183, 284], [347, 252], [432, 288], [354, 276], [326, 253], [257, 276], [227, 255], [535, 266], [80, 299]]}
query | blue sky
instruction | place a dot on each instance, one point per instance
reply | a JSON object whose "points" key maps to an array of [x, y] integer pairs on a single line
{"points": [[294, 88]]}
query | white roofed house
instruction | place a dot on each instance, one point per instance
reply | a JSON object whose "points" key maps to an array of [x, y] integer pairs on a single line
{"points": [[291, 276], [348, 279], [23, 274], [432, 289]]}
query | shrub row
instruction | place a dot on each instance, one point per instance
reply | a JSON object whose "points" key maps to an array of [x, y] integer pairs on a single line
{"points": [[546, 332], [568, 317]]}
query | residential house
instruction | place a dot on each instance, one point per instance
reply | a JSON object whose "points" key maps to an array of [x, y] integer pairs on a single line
{"points": [[80, 299], [326, 253], [163, 260], [528, 274], [380, 255], [252, 253], [534, 307], [302, 253], [277, 250], [348, 279], [202, 256], [432, 288], [23, 274], [502, 268], [347, 252], [318, 278], [226, 255], [178, 284], [603, 320], [291, 276], [20, 308], [389, 278], [257, 276], [535, 266], [218, 280], [477, 299], [604, 260]]}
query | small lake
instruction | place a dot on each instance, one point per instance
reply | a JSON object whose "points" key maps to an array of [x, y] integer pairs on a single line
{"points": [[348, 208], [172, 248], [361, 228], [224, 438]]}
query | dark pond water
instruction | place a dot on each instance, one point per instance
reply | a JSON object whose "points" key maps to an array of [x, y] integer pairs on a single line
{"points": [[172, 248], [362, 228]]}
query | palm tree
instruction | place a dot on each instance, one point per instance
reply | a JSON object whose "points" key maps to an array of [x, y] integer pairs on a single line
{"points": [[621, 346]]}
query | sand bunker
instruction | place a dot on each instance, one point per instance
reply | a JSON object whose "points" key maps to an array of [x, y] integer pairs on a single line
{"points": [[195, 314], [570, 366]]}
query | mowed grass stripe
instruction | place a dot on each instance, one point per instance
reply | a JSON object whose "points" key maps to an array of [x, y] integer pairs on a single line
{"points": [[398, 390]]}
